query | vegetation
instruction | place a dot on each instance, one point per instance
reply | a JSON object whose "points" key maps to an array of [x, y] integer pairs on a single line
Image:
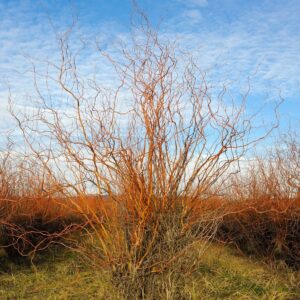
{"points": [[165, 177], [222, 273]]}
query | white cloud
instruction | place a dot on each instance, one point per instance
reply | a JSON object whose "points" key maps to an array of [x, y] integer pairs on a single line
{"points": [[198, 2], [192, 15], [195, 3], [263, 45]]}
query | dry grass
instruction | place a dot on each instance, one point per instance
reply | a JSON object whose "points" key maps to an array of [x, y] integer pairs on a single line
{"points": [[221, 274]]}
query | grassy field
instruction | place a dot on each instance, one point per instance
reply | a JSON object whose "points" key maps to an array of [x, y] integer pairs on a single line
{"points": [[222, 274]]}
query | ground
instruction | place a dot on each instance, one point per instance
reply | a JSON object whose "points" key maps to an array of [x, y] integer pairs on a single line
{"points": [[223, 273]]}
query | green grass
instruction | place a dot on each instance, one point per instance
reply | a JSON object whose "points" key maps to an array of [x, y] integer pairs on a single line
{"points": [[222, 274], [60, 277]]}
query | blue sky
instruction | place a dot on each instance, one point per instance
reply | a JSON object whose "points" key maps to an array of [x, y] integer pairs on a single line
{"points": [[234, 39]]}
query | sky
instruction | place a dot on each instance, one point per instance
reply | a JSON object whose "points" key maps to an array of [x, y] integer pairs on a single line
{"points": [[236, 41]]}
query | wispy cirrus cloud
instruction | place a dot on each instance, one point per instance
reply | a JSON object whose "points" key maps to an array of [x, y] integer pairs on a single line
{"points": [[260, 41], [195, 3], [191, 13], [192, 16]]}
